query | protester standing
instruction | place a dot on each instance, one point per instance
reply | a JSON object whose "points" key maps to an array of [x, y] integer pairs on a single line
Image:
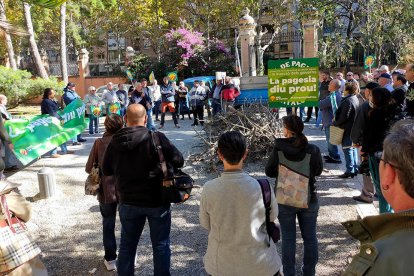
{"points": [[131, 157], [139, 97], [329, 107], [157, 99], [232, 210], [197, 98], [207, 100], [106, 194], [344, 119], [229, 93], [323, 93], [294, 151], [122, 96], [109, 97], [149, 95], [69, 95], [91, 101], [50, 106], [379, 118], [182, 94], [168, 99], [357, 137], [216, 97]]}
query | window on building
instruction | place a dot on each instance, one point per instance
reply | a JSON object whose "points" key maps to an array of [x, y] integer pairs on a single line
{"points": [[284, 47], [100, 56]]}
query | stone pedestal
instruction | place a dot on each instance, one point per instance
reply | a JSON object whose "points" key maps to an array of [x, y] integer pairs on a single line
{"points": [[247, 32], [310, 35]]}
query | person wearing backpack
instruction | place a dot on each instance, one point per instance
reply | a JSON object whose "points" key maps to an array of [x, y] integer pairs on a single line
{"points": [[294, 158], [232, 210]]}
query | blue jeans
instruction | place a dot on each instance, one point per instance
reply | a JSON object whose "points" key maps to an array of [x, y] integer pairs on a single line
{"points": [[8, 155], [93, 121], [307, 223], [216, 106], [133, 220], [63, 148], [332, 149], [150, 122], [351, 155], [318, 118], [108, 212], [156, 108], [384, 206]]}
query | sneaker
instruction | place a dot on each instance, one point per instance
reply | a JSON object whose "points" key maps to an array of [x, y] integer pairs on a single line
{"points": [[81, 140], [68, 152], [110, 265], [362, 199], [56, 155], [160, 127], [177, 126], [76, 144]]}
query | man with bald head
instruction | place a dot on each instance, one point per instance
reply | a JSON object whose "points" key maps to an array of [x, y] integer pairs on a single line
{"points": [[329, 106], [132, 158]]}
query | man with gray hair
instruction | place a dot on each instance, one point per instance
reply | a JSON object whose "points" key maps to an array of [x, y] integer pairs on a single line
{"points": [[109, 96], [328, 107], [387, 240]]}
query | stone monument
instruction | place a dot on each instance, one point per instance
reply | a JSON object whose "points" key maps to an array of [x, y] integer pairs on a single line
{"points": [[247, 32]]}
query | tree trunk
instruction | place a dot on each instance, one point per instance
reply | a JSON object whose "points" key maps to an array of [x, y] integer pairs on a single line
{"points": [[7, 37], [33, 46], [63, 50]]}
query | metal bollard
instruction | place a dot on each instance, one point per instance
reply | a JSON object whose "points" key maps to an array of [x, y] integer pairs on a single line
{"points": [[47, 182]]}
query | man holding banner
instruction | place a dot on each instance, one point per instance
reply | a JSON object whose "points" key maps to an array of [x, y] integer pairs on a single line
{"points": [[93, 104], [69, 96]]}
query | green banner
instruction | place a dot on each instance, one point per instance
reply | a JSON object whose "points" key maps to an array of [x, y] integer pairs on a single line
{"points": [[293, 82], [38, 135]]}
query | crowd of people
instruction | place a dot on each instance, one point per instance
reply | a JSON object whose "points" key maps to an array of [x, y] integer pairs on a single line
{"points": [[365, 108], [378, 142]]}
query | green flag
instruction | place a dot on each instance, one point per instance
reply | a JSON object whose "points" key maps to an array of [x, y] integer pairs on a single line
{"points": [[36, 136]]}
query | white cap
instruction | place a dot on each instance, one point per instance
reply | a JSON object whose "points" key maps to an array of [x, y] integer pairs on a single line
{"points": [[384, 68]]}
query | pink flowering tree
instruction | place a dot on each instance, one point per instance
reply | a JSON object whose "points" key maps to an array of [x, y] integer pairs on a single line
{"points": [[187, 42]]}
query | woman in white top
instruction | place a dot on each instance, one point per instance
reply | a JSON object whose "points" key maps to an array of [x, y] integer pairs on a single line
{"points": [[232, 210]]}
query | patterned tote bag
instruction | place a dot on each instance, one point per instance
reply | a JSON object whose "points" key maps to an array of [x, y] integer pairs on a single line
{"points": [[292, 186], [16, 245]]}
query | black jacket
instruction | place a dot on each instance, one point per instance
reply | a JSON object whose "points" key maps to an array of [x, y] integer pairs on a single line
{"points": [[50, 107], [409, 101], [293, 153], [132, 158], [357, 131], [376, 128], [346, 113], [140, 98]]}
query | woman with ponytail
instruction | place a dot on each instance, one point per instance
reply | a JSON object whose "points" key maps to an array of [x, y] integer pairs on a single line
{"points": [[294, 151]]}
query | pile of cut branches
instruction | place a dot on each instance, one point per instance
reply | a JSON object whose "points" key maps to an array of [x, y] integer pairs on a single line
{"points": [[258, 124]]}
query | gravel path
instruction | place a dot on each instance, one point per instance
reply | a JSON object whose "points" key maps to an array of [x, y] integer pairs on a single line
{"points": [[67, 227]]}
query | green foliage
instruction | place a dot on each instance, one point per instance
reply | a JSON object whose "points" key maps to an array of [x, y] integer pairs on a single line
{"points": [[19, 87], [50, 4]]}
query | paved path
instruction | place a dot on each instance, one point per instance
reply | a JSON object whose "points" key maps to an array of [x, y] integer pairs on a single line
{"points": [[68, 226]]}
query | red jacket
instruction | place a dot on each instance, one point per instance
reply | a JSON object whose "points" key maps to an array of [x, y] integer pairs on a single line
{"points": [[229, 92]]}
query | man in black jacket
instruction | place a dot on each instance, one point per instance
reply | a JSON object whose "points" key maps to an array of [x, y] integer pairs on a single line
{"points": [[131, 157]]}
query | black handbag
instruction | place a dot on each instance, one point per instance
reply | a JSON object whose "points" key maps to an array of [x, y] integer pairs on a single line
{"points": [[176, 188], [271, 227]]}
